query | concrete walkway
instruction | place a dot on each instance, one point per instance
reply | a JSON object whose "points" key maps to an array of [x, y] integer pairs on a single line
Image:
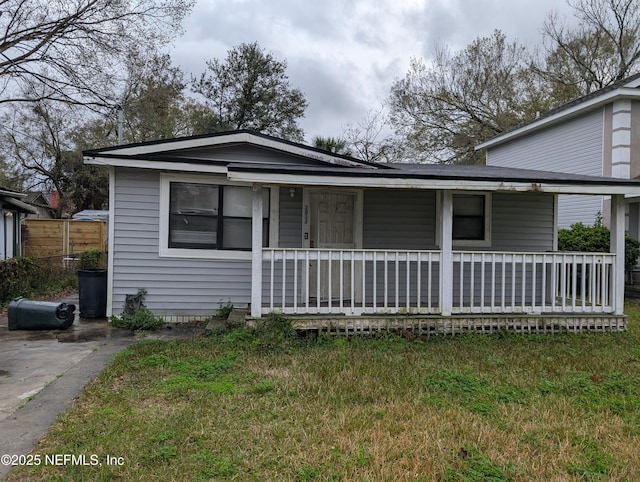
{"points": [[43, 372]]}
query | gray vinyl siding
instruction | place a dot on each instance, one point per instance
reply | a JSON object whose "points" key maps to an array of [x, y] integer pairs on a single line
{"points": [[289, 236], [522, 222], [395, 219], [575, 146], [494, 282], [244, 154], [290, 229], [174, 285], [578, 209]]}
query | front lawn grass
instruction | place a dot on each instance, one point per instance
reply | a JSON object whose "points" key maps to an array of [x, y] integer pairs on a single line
{"points": [[266, 406]]}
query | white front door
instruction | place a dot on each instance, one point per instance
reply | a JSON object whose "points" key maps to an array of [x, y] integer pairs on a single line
{"points": [[332, 226], [333, 220]]}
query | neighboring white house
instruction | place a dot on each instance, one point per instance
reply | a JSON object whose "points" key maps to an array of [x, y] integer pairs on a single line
{"points": [[12, 210], [261, 222], [598, 135]]}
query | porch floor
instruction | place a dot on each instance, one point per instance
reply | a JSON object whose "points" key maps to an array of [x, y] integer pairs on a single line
{"points": [[426, 325]]}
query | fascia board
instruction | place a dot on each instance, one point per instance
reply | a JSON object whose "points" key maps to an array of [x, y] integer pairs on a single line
{"points": [[440, 184], [158, 165]]}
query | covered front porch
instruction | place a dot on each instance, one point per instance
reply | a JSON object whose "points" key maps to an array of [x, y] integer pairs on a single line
{"points": [[332, 286]]}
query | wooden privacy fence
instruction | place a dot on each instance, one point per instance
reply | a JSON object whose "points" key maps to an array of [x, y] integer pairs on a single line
{"points": [[62, 237]]}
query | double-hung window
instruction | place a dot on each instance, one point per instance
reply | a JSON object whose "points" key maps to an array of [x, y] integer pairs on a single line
{"points": [[469, 216], [471, 219], [218, 217]]}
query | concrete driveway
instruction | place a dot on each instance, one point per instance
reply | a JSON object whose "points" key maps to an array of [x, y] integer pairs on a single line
{"points": [[43, 372], [31, 360]]}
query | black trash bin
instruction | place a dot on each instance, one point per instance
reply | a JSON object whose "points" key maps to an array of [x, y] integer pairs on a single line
{"points": [[92, 293], [40, 315]]}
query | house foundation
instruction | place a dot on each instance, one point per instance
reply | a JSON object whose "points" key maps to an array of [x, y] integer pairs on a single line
{"points": [[455, 325]]}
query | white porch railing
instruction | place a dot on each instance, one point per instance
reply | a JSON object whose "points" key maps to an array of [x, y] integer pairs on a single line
{"points": [[354, 282], [503, 282], [315, 281]]}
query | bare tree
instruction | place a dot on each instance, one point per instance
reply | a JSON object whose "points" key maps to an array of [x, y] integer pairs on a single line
{"points": [[72, 51], [34, 137], [11, 176], [368, 139], [441, 111], [40, 141], [603, 48]]}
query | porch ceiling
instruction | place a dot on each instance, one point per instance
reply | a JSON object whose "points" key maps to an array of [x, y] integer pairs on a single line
{"points": [[433, 176]]}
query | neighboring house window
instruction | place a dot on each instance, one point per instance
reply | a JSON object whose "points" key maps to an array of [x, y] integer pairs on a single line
{"points": [[207, 218]]}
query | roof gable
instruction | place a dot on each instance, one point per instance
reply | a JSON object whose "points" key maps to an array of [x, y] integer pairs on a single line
{"points": [[225, 147]]}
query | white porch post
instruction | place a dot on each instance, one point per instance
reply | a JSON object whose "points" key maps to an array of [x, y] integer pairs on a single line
{"points": [[111, 238], [446, 258], [256, 252], [617, 248]]}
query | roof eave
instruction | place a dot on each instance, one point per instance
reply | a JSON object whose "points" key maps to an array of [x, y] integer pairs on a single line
{"points": [[379, 181], [20, 206], [161, 165], [621, 93]]}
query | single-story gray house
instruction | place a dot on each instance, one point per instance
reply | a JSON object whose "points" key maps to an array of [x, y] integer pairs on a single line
{"points": [[248, 219]]}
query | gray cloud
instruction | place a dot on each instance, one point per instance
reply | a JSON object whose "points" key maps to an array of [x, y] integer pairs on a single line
{"points": [[331, 103], [345, 55]]}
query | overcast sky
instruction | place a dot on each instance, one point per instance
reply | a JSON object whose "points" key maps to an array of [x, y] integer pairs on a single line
{"points": [[345, 54]]}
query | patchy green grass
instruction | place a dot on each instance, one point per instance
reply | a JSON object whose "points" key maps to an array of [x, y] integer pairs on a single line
{"points": [[267, 406]]}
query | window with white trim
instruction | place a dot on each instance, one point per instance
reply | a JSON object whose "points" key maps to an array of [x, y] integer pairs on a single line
{"points": [[213, 216], [469, 217]]}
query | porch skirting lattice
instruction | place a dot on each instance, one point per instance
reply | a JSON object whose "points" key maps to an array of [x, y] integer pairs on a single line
{"points": [[436, 325]]}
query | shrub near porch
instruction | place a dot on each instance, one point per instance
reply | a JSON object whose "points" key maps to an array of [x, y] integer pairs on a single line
{"points": [[264, 405], [596, 239]]}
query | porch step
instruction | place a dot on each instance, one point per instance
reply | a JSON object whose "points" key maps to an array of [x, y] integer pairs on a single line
{"points": [[485, 324]]}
